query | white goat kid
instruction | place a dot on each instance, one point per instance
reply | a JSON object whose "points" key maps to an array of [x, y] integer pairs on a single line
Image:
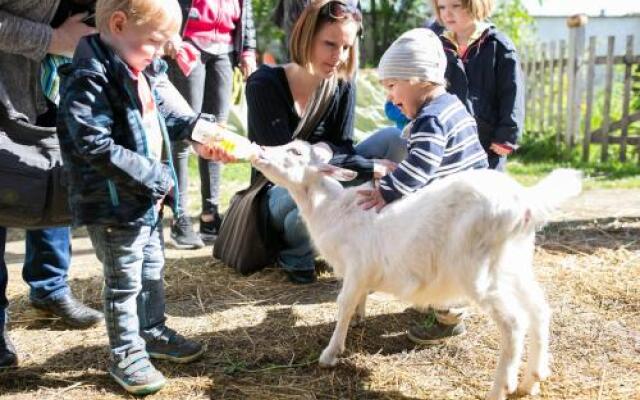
{"points": [[468, 236]]}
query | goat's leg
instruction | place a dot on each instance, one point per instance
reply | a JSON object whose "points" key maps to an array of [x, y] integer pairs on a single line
{"points": [[509, 315], [358, 318], [537, 368], [349, 298]]}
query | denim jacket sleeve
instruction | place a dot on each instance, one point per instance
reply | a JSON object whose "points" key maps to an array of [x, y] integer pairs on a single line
{"points": [[89, 120]]}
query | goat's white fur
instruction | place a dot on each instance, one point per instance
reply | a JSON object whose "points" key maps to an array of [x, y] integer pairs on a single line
{"points": [[469, 237]]}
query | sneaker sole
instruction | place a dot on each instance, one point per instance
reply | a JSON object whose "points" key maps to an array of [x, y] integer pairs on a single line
{"points": [[418, 340], [178, 360], [208, 239], [139, 390]]}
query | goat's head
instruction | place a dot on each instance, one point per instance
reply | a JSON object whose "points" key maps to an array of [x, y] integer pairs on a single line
{"points": [[298, 163]]}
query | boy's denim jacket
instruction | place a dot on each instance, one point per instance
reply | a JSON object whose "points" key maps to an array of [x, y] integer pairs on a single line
{"points": [[113, 181]]}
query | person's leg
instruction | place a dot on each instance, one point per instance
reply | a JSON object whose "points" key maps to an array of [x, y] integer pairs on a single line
{"points": [[297, 255], [439, 324], [218, 85], [8, 356], [161, 341], [192, 89], [121, 251], [387, 143], [46, 264]]}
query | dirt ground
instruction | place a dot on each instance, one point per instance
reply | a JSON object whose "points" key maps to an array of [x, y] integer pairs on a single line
{"points": [[264, 335]]}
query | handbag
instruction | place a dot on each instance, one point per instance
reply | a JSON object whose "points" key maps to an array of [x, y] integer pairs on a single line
{"points": [[33, 190], [244, 241]]}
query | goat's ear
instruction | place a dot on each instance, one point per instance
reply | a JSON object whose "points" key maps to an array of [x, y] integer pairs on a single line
{"points": [[340, 174], [320, 153]]}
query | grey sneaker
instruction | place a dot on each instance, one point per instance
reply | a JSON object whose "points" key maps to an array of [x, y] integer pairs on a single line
{"points": [[431, 331], [182, 235], [174, 347], [137, 375]]}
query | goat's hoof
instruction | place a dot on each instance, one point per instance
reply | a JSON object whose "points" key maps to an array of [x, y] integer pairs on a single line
{"points": [[497, 394], [531, 388], [531, 384], [327, 360]]}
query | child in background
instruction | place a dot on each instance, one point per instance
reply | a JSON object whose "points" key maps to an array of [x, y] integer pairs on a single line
{"points": [[484, 72], [442, 138], [118, 113]]}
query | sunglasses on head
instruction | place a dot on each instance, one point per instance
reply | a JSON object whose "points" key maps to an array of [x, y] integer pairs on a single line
{"points": [[339, 10]]}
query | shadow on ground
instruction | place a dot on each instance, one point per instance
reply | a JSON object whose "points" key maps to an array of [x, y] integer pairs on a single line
{"points": [[590, 235], [272, 359]]}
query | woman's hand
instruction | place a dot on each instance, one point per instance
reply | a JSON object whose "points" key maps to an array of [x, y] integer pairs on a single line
{"points": [[248, 65], [383, 167], [172, 46], [65, 38], [371, 198]]}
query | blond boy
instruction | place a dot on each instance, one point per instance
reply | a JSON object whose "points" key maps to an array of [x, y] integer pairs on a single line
{"points": [[118, 114]]}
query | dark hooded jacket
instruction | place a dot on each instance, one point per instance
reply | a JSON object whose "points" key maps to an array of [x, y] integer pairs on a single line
{"points": [[488, 79]]}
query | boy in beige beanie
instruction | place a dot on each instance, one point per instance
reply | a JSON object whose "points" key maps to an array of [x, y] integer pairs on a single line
{"points": [[442, 137]]}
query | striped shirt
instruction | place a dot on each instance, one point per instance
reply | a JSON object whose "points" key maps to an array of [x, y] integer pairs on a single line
{"points": [[443, 140]]}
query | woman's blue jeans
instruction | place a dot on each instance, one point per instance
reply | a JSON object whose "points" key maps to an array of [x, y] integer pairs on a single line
{"points": [[298, 253]]}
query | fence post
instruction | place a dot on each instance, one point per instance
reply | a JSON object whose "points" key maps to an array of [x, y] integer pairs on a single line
{"points": [[591, 71], [626, 98], [577, 27], [561, 70], [606, 109]]}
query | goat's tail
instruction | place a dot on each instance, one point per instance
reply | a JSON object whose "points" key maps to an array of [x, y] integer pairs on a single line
{"points": [[557, 187]]}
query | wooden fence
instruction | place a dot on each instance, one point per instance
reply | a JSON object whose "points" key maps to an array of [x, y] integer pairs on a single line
{"points": [[569, 94]]}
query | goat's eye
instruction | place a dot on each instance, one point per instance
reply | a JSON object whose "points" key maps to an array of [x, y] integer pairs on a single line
{"points": [[294, 151]]}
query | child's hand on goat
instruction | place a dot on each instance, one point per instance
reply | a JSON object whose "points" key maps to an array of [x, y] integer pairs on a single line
{"points": [[371, 198], [382, 167]]}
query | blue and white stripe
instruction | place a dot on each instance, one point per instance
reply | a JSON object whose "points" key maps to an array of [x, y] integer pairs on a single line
{"points": [[443, 140]]}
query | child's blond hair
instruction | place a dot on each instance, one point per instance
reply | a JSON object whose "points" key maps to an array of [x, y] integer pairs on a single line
{"points": [[166, 14], [478, 9]]}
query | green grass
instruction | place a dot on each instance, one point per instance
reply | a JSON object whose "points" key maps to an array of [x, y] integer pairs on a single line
{"points": [[539, 155]]}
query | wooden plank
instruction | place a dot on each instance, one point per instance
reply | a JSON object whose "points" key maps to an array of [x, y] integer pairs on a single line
{"points": [[534, 88], [552, 74], [529, 82], [574, 73], [586, 140], [596, 135], [606, 111], [617, 60], [625, 101], [541, 87], [561, 69], [631, 140]]}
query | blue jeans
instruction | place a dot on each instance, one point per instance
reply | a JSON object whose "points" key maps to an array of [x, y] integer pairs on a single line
{"points": [[297, 253], [133, 264], [211, 76], [46, 263]]}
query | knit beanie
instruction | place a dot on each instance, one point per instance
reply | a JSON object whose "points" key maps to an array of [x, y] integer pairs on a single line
{"points": [[418, 54]]}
